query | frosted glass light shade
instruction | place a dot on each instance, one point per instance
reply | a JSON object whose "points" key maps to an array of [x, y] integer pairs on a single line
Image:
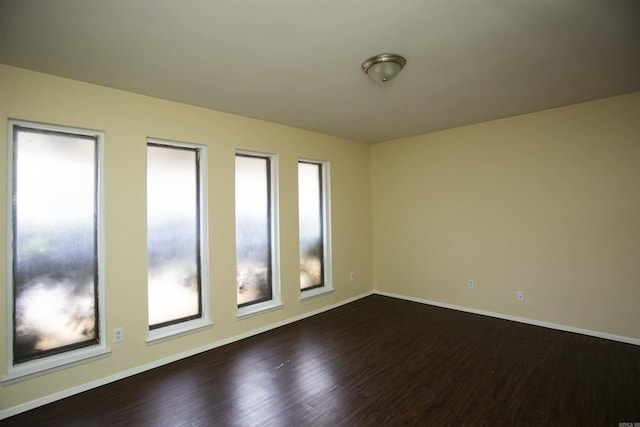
{"points": [[384, 71], [382, 68]]}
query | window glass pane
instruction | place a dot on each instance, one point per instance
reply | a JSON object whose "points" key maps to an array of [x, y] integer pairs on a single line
{"points": [[253, 230], [311, 219], [55, 268], [173, 275]]}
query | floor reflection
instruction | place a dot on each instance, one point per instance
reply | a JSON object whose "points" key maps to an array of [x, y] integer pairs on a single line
{"points": [[260, 373]]}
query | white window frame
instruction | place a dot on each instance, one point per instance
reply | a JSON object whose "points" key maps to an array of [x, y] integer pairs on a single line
{"points": [[276, 300], [326, 231], [56, 362], [204, 321]]}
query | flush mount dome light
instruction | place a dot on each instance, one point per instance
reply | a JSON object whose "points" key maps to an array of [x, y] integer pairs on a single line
{"points": [[382, 68]]}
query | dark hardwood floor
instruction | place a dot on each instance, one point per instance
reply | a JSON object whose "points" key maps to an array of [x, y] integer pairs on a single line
{"points": [[378, 361]]}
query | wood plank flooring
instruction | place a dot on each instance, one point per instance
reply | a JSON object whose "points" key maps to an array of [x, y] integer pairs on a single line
{"points": [[378, 361]]}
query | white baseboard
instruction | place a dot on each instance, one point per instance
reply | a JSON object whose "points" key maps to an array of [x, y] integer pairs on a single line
{"points": [[6, 413], [620, 338], [15, 410]]}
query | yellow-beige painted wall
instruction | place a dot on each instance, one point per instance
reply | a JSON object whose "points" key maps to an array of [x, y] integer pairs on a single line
{"points": [[547, 203], [127, 120]]}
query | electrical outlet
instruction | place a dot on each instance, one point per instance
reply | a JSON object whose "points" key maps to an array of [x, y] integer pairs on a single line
{"points": [[352, 276], [520, 296], [470, 284], [117, 335]]}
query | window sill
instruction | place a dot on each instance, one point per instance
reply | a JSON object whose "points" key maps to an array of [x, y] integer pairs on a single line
{"points": [[255, 309], [36, 368], [312, 293], [174, 331]]}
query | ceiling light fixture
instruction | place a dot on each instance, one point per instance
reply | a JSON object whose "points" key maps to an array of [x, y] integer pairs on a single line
{"points": [[382, 68]]}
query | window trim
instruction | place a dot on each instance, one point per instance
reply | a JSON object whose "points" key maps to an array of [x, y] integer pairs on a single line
{"points": [[326, 231], [276, 299], [55, 362], [163, 333]]}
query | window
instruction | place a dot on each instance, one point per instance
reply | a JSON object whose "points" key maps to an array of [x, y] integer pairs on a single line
{"points": [[176, 274], [55, 259], [256, 233], [313, 208]]}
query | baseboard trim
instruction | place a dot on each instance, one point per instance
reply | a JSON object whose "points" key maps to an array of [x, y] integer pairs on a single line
{"points": [[565, 328], [15, 410]]}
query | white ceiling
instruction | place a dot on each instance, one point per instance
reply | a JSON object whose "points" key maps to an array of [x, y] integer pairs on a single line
{"points": [[298, 62]]}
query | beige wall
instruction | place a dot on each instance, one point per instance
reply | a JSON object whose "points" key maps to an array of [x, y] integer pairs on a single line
{"points": [[127, 120], [547, 203]]}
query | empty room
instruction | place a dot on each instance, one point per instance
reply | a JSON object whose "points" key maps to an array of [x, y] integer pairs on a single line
{"points": [[320, 212]]}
